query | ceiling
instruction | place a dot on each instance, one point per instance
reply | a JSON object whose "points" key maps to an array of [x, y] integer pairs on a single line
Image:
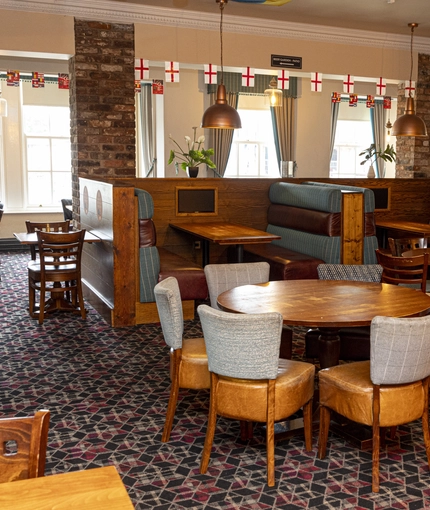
{"points": [[373, 15]]}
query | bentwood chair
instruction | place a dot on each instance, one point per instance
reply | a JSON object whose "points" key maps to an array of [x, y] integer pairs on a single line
{"points": [[407, 271], [248, 379], [23, 444], [354, 342], [55, 226], [391, 389], [188, 359], [399, 246], [58, 272]]}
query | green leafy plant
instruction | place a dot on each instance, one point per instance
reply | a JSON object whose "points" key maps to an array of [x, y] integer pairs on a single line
{"points": [[195, 154], [371, 154]]}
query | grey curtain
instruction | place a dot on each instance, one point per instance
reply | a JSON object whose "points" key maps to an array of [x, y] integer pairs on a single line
{"points": [[378, 121], [283, 120], [221, 139], [333, 125], [147, 148]]}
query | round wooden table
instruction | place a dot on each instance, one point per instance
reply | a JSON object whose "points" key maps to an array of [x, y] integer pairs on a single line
{"points": [[327, 305]]}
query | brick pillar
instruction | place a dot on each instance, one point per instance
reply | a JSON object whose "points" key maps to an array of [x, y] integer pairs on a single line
{"points": [[413, 153], [102, 102]]}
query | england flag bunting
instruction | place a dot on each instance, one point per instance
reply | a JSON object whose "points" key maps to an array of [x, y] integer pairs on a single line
{"points": [[283, 80], [141, 69], [248, 76], [172, 72], [210, 74], [381, 87], [348, 84], [409, 89], [316, 82]]}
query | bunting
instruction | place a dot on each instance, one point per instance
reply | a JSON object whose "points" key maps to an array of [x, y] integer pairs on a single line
{"points": [[381, 87], [172, 72], [370, 102], [316, 82], [283, 79], [141, 69], [348, 84], [210, 74], [37, 80], [353, 100], [410, 88], [63, 81], [12, 78], [248, 77]]}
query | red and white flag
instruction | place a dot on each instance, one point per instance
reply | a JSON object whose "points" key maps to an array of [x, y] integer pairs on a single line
{"points": [[353, 100], [381, 87], [248, 76], [172, 72], [210, 74], [410, 88], [37, 80], [12, 78], [387, 103], [370, 102], [63, 81], [316, 82], [283, 80], [348, 84], [335, 97], [137, 86], [141, 69]]}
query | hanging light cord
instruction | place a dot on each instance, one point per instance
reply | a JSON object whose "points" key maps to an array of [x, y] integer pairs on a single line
{"points": [[412, 25], [221, 6]]}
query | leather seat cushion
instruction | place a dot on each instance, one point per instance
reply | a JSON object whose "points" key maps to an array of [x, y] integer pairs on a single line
{"points": [[246, 399], [193, 370], [348, 390], [191, 277], [285, 264]]}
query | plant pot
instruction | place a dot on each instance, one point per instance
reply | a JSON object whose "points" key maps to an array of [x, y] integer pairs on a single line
{"points": [[371, 172], [193, 171]]}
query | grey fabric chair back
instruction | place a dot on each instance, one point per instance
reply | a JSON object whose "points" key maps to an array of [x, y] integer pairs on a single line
{"points": [[222, 277], [245, 346], [399, 349], [357, 273], [169, 306]]}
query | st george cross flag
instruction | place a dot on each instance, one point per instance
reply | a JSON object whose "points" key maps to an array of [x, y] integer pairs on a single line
{"points": [[283, 80], [348, 84], [410, 88], [37, 80], [248, 76], [12, 78], [316, 82], [172, 72], [210, 74], [141, 69], [381, 87]]}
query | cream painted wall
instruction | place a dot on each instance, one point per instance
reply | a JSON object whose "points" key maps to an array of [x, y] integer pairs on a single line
{"points": [[11, 223]]}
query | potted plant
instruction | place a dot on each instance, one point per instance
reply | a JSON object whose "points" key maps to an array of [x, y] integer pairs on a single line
{"points": [[194, 156], [371, 154]]}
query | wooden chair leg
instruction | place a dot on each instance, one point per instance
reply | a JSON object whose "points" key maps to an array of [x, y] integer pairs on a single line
{"points": [[31, 300], [41, 303], [210, 431], [375, 439], [270, 432], [323, 433], [175, 360], [246, 430], [307, 422]]}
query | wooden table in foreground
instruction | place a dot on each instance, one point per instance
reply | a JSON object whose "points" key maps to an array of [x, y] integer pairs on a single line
{"points": [[91, 489], [25, 238], [404, 227], [225, 233], [327, 305]]}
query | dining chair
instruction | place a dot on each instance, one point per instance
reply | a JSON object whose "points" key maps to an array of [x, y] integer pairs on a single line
{"points": [[188, 359], [59, 263], [248, 379], [354, 342], [53, 226], [388, 390], [66, 204], [23, 446], [406, 271], [399, 246]]}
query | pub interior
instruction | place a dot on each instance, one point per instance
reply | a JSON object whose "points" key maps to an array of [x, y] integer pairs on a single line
{"points": [[131, 199]]}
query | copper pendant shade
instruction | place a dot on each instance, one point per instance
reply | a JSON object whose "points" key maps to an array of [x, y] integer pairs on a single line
{"points": [[221, 115], [409, 124]]}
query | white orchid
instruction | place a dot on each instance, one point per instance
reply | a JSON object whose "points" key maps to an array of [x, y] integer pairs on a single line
{"points": [[195, 155]]}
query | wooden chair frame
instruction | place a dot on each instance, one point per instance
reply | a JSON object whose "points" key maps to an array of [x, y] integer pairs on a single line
{"points": [[404, 270]]}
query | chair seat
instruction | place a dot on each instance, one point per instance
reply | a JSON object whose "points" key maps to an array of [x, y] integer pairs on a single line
{"points": [[193, 370], [246, 399], [348, 390], [34, 267]]}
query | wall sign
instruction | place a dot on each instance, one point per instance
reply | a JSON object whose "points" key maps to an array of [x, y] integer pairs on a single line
{"points": [[286, 62]]}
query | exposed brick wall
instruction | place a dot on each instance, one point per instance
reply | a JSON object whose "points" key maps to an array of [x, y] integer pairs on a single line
{"points": [[413, 153], [102, 102]]}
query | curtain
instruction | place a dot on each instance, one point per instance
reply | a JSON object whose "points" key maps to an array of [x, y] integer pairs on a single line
{"points": [[377, 119], [333, 125], [283, 120], [221, 139], [146, 143]]}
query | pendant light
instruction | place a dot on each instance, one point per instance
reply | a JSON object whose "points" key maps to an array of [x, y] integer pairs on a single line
{"points": [[273, 94], [221, 115], [410, 124]]}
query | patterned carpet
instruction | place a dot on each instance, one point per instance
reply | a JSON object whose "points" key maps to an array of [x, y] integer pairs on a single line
{"points": [[107, 390]]}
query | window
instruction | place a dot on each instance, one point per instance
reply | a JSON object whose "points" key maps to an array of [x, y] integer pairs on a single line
{"points": [[46, 132], [253, 152]]}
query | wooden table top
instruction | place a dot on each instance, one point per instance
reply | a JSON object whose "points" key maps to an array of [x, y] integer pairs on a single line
{"points": [[221, 232], [91, 489], [421, 229], [326, 303], [25, 238]]}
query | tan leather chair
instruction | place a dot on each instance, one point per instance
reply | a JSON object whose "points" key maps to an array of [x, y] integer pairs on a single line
{"points": [[249, 381], [24, 442], [389, 390], [188, 359]]}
